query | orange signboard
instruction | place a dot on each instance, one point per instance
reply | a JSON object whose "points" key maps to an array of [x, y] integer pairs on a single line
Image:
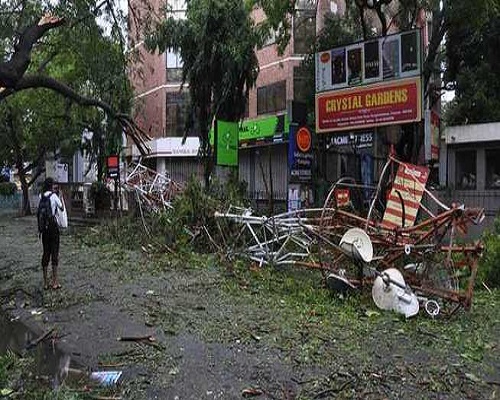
{"points": [[381, 104], [304, 139]]}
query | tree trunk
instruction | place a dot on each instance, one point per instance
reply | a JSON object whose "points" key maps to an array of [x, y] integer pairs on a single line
{"points": [[26, 207]]}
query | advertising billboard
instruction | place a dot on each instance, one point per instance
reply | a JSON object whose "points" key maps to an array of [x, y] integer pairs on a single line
{"points": [[385, 103], [385, 58]]}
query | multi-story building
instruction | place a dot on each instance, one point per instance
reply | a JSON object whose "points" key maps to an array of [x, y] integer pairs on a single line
{"points": [[160, 105], [274, 106]]}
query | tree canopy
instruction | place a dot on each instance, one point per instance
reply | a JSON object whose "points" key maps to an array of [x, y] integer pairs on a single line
{"points": [[37, 35], [217, 44], [472, 60]]}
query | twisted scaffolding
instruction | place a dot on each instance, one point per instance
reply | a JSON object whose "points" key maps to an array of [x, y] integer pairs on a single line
{"points": [[406, 250], [154, 191], [277, 240]]}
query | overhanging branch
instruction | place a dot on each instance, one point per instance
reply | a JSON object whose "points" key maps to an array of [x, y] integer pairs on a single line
{"points": [[138, 136]]}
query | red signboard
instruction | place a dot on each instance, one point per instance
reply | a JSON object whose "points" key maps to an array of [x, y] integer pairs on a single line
{"points": [[342, 197], [113, 165], [382, 104]]}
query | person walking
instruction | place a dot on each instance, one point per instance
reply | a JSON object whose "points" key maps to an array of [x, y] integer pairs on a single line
{"points": [[50, 204]]}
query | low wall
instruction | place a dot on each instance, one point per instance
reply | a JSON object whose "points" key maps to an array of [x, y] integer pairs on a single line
{"points": [[11, 202]]}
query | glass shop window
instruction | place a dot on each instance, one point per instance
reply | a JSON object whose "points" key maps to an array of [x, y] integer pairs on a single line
{"points": [[493, 169], [465, 167]]}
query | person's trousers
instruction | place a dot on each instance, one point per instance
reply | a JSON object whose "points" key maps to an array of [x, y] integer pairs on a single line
{"points": [[50, 241]]}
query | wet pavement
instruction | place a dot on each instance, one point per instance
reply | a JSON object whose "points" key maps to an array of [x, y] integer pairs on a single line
{"points": [[216, 336]]}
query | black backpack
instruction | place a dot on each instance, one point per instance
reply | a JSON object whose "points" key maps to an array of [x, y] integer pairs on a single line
{"points": [[44, 214]]}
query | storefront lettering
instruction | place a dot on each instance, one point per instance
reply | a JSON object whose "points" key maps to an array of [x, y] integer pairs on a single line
{"points": [[383, 98]]}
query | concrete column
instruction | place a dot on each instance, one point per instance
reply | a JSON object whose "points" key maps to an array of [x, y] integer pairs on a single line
{"points": [[451, 168], [443, 164], [161, 165], [480, 169]]}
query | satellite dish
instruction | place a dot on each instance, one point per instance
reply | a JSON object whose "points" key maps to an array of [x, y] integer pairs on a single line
{"points": [[389, 292], [358, 244], [339, 283]]}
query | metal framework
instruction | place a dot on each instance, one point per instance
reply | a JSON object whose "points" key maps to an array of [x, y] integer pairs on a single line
{"points": [[156, 191], [426, 243]]}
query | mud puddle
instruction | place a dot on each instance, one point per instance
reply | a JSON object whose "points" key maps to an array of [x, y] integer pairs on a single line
{"points": [[50, 361]]}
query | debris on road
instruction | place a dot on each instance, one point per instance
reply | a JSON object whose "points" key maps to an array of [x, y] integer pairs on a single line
{"points": [[106, 378], [396, 236]]}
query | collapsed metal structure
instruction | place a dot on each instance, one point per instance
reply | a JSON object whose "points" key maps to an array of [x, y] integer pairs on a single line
{"points": [[153, 190], [404, 243]]}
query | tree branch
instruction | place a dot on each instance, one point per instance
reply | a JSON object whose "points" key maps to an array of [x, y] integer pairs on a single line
{"points": [[42, 81], [438, 32], [12, 70]]}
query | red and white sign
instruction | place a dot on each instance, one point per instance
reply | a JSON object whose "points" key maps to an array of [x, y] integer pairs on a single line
{"points": [[432, 135], [409, 186], [342, 197], [382, 104]]}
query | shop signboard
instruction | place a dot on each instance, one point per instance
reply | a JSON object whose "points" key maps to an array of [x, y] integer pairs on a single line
{"points": [[252, 132], [226, 137], [113, 166], [385, 58], [386, 103], [405, 196], [357, 140], [300, 154]]}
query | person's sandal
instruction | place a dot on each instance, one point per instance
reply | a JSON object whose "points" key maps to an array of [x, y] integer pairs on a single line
{"points": [[56, 286]]}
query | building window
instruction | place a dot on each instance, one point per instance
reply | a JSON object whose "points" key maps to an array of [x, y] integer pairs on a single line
{"points": [[465, 166], [177, 113], [334, 7], [271, 98], [176, 9], [247, 106], [271, 37], [174, 66], [304, 30], [492, 169]]}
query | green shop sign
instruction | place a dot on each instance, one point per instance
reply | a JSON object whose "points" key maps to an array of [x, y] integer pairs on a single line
{"points": [[252, 130], [226, 136]]}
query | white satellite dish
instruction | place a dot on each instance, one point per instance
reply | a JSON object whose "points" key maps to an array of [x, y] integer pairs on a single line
{"points": [[339, 283], [358, 243], [389, 292]]}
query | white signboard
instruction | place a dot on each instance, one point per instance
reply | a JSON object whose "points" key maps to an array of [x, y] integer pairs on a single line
{"points": [[61, 173], [173, 147], [56, 171]]}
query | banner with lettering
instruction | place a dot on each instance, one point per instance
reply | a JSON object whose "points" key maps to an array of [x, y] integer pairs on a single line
{"points": [[382, 104]]}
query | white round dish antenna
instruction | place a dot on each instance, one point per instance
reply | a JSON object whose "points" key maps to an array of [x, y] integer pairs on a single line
{"points": [[389, 292], [358, 243]]}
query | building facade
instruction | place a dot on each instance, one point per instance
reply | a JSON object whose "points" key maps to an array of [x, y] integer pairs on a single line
{"points": [[275, 108]]}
